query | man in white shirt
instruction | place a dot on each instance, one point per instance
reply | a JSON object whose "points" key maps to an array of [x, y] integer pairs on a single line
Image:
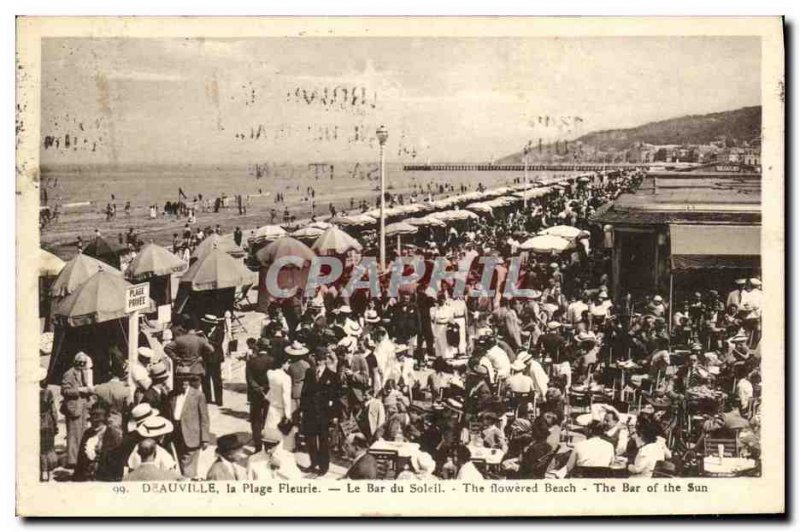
{"points": [[402, 367], [744, 389], [595, 451], [652, 451], [735, 296], [518, 382], [601, 308], [501, 365], [752, 295], [384, 356], [576, 309], [155, 427], [140, 372], [467, 470]]}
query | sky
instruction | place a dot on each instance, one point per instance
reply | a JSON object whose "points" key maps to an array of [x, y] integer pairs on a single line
{"points": [[304, 99]]}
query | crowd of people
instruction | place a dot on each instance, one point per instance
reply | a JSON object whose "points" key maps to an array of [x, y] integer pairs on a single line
{"points": [[573, 381]]}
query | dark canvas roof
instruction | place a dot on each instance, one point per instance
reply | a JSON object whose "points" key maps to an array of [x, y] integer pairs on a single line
{"points": [[714, 246], [687, 199]]}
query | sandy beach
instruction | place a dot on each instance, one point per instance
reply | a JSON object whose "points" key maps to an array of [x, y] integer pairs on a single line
{"points": [[96, 186]]}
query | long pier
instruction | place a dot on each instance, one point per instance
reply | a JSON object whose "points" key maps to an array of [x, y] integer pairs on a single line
{"points": [[469, 167]]}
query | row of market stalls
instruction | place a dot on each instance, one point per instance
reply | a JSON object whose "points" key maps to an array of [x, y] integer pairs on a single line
{"points": [[83, 299]]}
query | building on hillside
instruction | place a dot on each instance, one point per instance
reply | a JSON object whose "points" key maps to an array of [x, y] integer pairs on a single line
{"points": [[681, 230]]}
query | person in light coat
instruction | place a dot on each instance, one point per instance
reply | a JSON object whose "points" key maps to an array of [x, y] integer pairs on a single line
{"points": [[279, 396]]}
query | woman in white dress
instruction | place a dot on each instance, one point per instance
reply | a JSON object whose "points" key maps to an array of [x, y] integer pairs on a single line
{"points": [[441, 315], [279, 397]]}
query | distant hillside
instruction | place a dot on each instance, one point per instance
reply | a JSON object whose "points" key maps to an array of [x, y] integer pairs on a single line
{"points": [[740, 124]]}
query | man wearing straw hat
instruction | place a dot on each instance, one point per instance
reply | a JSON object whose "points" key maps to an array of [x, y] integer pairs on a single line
{"points": [[298, 367], [752, 293], [518, 382], [540, 378], [158, 428], [735, 295], [140, 372]]}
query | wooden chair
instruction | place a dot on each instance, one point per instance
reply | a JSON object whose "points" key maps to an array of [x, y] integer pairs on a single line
{"points": [[481, 465], [387, 464], [476, 427], [515, 399], [540, 468], [664, 469], [591, 472], [730, 446]]}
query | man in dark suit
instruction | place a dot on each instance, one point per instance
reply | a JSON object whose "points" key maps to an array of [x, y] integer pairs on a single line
{"points": [[188, 352], [257, 388], [212, 380], [95, 454], [297, 371], [364, 467], [552, 344], [191, 422], [229, 454], [320, 389]]}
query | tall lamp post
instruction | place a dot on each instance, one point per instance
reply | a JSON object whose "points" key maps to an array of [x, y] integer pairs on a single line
{"points": [[525, 151], [383, 134]]}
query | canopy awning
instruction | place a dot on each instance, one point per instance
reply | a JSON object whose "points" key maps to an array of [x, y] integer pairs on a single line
{"points": [[715, 246]]}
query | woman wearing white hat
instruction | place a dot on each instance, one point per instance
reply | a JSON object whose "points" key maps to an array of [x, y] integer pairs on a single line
{"points": [[422, 468]]}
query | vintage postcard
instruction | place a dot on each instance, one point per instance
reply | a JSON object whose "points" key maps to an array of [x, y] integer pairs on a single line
{"points": [[400, 266]]}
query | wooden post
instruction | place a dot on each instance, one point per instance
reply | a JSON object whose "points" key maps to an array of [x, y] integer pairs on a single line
{"points": [[137, 298], [669, 312], [133, 347]]}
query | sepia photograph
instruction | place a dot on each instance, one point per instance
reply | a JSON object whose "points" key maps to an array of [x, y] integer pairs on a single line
{"points": [[381, 259]]}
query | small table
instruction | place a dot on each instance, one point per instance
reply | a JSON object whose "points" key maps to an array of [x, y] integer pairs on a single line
{"points": [[713, 466], [490, 456], [585, 419], [619, 468], [404, 449]]}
